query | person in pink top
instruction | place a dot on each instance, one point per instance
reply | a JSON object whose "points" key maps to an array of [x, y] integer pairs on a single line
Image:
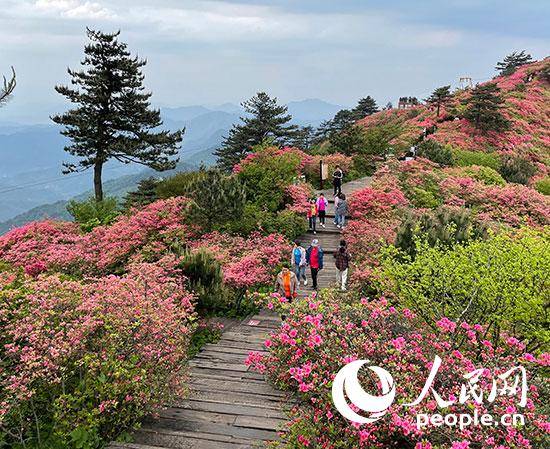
{"points": [[322, 204]]}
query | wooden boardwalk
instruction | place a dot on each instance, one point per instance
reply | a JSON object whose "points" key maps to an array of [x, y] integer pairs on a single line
{"points": [[229, 406], [329, 238]]}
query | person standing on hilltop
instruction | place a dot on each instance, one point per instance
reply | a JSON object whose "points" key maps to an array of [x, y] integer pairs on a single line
{"points": [[322, 205], [314, 258], [341, 211], [342, 258], [312, 216], [337, 177], [299, 262]]}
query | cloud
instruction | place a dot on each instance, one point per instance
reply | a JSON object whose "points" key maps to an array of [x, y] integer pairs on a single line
{"points": [[74, 9]]}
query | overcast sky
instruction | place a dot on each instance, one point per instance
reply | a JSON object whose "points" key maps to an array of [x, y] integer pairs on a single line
{"points": [[208, 52]]}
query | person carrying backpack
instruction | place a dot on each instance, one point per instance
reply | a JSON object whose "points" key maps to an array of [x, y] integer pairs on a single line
{"points": [[298, 262], [337, 177], [312, 216], [341, 259], [314, 258], [322, 204]]}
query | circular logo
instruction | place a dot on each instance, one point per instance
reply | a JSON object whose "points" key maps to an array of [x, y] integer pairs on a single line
{"points": [[346, 380]]}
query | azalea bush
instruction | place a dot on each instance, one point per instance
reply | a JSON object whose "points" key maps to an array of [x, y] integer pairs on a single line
{"points": [[501, 282], [247, 263], [143, 234], [321, 335], [83, 361]]}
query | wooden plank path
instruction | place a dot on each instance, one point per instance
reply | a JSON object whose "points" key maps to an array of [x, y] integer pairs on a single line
{"points": [[329, 237], [229, 406]]}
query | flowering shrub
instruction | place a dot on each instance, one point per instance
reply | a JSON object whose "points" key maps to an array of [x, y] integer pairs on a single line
{"points": [[320, 336], [370, 203], [525, 95], [512, 204], [246, 262], [49, 245], [84, 360], [299, 195]]}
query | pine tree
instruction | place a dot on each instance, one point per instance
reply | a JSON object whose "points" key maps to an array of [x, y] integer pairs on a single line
{"points": [[439, 97], [484, 108], [113, 119], [304, 138], [365, 107], [512, 62], [7, 88], [266, 120], [145, 193], [216, 199]]}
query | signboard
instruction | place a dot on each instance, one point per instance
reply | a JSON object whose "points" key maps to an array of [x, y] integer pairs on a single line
{"points": [[324, 171]]}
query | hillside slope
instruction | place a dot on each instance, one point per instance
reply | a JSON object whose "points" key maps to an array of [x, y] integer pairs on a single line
{"points": [[527, 106]]}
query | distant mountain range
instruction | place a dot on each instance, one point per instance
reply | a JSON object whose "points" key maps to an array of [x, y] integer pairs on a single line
{"points": [[32, 185]]}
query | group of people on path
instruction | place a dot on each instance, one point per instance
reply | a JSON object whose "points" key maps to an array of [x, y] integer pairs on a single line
{"points": [[288, 280], [318, 206]]}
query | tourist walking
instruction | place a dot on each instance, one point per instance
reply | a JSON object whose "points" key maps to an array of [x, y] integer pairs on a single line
{"points": [[342, 258], [341, 211], [322, 204], [312, 216], [314, 258], [337, 177], [298, 261], [286, 284]]}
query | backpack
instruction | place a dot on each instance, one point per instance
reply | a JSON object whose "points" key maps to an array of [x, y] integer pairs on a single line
{"points": [[297, 256]]}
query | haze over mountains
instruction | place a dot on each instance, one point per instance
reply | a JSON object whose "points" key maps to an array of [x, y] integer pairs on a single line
{"points": [[32, 184]]}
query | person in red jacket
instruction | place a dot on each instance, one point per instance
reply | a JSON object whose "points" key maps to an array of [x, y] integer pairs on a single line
{"points": [[314, 258]]}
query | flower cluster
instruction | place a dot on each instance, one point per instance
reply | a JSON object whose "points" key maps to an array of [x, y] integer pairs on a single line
{"points": [[321, 335], [50, 245], [525, 94], [79, 349], [299, 196], [246, 262]]}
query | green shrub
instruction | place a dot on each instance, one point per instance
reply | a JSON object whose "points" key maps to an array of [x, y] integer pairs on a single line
{"points": [[216, 199], [266, 177], [288, 223], [516, 169], [501, 282], [205, 278], [486, 175], [363, 165], [91, 213], [444, 227], [543, 186], [435, 152], [425, 198], [464, 158], [146, 193], [181, 184]]}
